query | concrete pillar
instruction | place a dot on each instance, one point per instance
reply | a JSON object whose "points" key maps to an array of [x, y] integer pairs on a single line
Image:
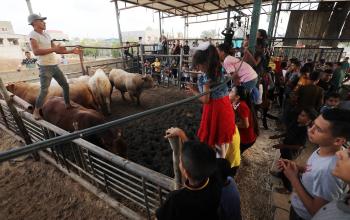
{"points": [[272, 18], [228, 17], [29, 5], [277, 20], [254, 25], [118, 24], [160, 25]]}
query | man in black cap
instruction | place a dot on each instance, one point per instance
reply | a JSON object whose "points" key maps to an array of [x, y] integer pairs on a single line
{"points": [[45, 50]]}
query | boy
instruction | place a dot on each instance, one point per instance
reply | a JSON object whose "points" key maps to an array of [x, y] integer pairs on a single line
{"points": [[338, 209], [317, 186], [295, 137], [200, 196], [294, 140], [230, 202], [332, 100]]}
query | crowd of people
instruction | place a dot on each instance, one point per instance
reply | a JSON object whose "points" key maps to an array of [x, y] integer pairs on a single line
{"points": [[313, 108]]}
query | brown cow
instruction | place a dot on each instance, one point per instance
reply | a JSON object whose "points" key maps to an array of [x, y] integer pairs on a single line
{"points": [[55, 112], [24, 90], [78, 92]]}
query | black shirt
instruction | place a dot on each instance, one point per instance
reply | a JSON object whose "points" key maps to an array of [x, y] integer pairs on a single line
{"points": [[326, 86], [186, 49], [228, 37], [296, 135], [29, 62], [177, 50], [310, 96], [193, 204]]}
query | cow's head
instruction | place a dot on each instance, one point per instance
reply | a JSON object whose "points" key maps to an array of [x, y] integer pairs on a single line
{"points": [[10, 87], [114, 142], [148, 81]]}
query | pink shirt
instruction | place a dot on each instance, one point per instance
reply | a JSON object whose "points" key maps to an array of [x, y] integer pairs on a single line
{"points": [[245, 73]]}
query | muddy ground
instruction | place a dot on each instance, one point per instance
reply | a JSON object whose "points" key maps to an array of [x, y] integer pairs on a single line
{"points": [[38, 191]]}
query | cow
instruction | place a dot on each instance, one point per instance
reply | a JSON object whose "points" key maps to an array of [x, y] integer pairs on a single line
{"points": [[78, 118], [101, 87], [25, 90], [133, 83], [79, 93], [80, 79]]}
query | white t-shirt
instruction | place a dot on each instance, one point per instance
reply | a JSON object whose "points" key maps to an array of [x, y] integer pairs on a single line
{"points": [[318, 181], [44, 42], [337, 210]]}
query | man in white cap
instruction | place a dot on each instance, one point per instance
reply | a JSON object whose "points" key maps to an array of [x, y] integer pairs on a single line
{"points": [[45, 50]]}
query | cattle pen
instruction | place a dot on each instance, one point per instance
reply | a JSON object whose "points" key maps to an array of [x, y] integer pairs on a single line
{"points": [[112, 178]]}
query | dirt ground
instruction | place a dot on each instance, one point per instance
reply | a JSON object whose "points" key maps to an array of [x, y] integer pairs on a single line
{"points": [[37, 190], [55, 196]]}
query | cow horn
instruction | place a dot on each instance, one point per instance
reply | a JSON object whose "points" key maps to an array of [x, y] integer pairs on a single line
{"points": [[76, 125]]}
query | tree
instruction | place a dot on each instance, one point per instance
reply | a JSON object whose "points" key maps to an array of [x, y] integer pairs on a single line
{"points": [[208, 34]]}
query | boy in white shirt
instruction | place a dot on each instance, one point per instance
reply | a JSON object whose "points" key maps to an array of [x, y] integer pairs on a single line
{"points": [[316, 186]]}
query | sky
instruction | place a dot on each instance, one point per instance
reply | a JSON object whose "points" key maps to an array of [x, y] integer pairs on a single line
{"points": [[97, 18]]}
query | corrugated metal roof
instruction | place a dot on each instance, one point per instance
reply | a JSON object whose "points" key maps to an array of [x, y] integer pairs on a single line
{"points": [[192, 8]]}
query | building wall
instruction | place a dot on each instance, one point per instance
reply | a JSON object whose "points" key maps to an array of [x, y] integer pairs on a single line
{"points": [[12, 46]]}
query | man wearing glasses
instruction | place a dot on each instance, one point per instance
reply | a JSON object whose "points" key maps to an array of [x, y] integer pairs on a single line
{"points": [[45, 50]]}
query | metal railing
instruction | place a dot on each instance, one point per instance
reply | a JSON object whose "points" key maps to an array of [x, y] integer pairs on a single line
{"points": [[329, 54], [127, 62], [119, 178]]}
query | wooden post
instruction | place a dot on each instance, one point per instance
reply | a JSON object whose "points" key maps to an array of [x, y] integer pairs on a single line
{"points": [[16, 117], [176, 146], [81, 58], [138, 59], [179, 75], [4, 117], [142, 58]]}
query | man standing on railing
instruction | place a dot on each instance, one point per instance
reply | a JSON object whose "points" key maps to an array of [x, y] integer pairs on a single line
{"points": [[44, 49], [126, 50]]}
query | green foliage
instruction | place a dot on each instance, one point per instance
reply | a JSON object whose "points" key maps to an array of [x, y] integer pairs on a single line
{"points": [[208, 34], [116, 53]]}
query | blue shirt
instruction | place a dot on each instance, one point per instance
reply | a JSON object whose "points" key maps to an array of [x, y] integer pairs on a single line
{"points": [[230, 203], [219, 93]]}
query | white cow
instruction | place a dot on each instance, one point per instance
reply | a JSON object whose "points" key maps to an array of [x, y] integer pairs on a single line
{"points": [[101, 89], [133, 83]]}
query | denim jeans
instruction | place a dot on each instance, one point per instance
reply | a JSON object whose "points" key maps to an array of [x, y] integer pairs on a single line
{"points": [[46, 74], [250, 84]]}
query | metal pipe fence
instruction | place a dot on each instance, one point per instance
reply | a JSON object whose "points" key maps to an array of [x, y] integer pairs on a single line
{"points": [[117, 177], [329, 54]]}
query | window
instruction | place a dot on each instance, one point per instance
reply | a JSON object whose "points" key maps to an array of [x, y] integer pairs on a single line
{"points": [[13, 41], [1, 41], [4, 29]]}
